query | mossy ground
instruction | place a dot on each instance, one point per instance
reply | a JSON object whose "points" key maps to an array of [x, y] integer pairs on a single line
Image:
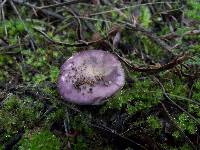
{"points": [[152, 111]]}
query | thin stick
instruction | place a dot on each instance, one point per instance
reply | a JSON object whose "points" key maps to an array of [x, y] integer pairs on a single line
{"points": [[128, 7], [155, 69], [83, 43], [167, 96], [62, 4], [20, 18], [173, 121]]}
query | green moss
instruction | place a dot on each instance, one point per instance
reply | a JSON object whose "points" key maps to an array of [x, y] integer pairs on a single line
{"points": [[185, 147], [100, 28], [39, 65], [176, 134], [80, 123], [143, 95], [38, 78], [43, 139], [194, 109], [38, 69], [49, 91], [145, 16], [154, 122], [14, 28], [176, 87], [36, 59], [186, 123], [80, 144], [17, 114], [196, 94], [151, 48], [54, 117], [182, 147], [77, 123], [196, 58], [165, 29], [193, 9], [54, 72], [6, 60]]}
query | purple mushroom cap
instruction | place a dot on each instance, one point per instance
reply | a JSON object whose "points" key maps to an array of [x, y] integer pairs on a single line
{"points": [[89, 77]]}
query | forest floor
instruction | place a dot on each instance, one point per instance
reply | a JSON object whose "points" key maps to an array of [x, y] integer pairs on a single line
{"points": [[158, 43]]}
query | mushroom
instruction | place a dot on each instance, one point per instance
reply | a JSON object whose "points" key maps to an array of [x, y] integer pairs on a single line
{"points": [[90, 77]]}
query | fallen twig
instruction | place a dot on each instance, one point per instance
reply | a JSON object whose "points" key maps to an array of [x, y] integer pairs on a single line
{"points": [[155, 69], [168, 97], [83, 43], [153, 37], [107, 129], [173, 121], [130, 26], [175, 35], [63, 4], [26, 29]]}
